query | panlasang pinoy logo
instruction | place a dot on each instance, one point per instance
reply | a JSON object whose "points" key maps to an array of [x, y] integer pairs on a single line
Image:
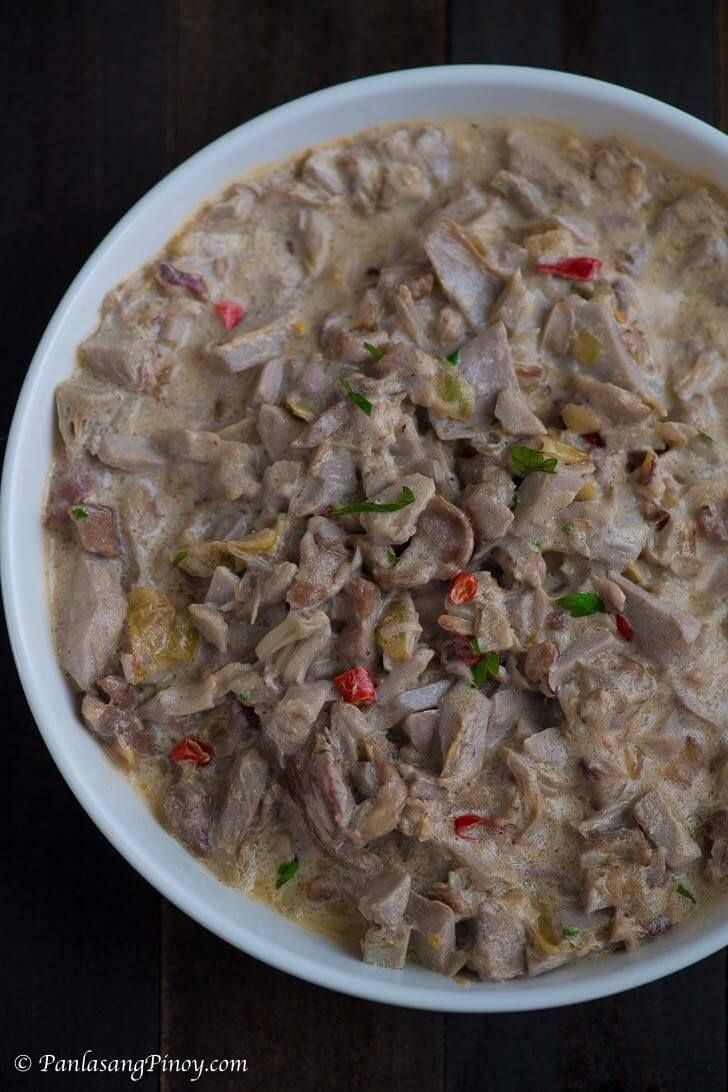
{"points": [[136, 1068]]}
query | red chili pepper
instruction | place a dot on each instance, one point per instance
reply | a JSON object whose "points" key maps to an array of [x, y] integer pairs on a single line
{"points": [[574, 269], [624, 627], [465, 822], [193, 750], [230, 312], [356, 686], [463, 588], [593, 438]]}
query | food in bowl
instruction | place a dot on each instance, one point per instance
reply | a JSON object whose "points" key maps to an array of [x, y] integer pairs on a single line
{"points": [[387, 536]]}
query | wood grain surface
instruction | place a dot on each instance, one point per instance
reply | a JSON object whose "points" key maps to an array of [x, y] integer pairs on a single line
{"points": [[99, 100]]}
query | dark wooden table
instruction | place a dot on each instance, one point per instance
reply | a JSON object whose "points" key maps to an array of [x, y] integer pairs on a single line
{"points": [[99, 100]]}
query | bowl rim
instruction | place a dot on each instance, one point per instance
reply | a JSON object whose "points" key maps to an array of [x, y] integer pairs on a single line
{"points": [[161, 875]]}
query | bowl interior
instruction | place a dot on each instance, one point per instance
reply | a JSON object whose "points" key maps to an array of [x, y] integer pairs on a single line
{"points": [[479, 92]]}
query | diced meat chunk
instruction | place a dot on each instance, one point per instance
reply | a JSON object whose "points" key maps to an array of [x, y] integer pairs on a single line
{"points": [[93, 619], [119, 354], [295, 715], [242, 796], [441, 547], [84, 412], [433, 931], [464, 714], [499, 946], [188, 808], [386, 947], [662, 827], [385, 898], [661, 628], [716, 829], [248, 348], [97, 529], [462, 272], [394, 528]]}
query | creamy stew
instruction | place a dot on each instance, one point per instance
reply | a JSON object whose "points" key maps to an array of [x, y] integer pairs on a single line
{"points": [[387, 542]]}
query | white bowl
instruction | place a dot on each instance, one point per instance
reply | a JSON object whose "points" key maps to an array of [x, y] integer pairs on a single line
{"points": [[598, 109]]}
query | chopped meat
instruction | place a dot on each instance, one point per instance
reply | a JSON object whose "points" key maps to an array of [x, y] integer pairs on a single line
{"points": [[119, 354], [386, 532], [94, 615], [188, 808], [662, 827], [386, 947], [84, 413], [242, 796], [716, 829], [463, 274], [97, 529], [464, 714], [386, 897]]}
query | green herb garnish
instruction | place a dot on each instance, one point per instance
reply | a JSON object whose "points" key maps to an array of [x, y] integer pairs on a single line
{"points": [[682, 890], [179, 557], [358, 399], [526, 459], [582, 604], [537, 544], [373, 350], [286, 872], [569, 527], [487, 668], [371, 506], [453, 359], [323, 751], [391, 556], [567, 931], [705, 437], [475, 645], [79, 513], [244, 697]]}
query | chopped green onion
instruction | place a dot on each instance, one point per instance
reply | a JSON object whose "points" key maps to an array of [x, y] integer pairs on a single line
{"points": [[567, 931], [79, 513], [475, 645], [323, 751], [682, 890], [453, 359], [391, 556], [244, 697], [373, 350], [474, 125], [358, 399], [371, 506], [487, 668], [286, 872], [179, 557], [582, 604], [705, 437], [537, 544], [516, 501], [569, 527], [526, 459]]}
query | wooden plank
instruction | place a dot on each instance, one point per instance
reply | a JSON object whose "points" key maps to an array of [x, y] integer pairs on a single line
{"points": [[80, 928], [230, 61], [721, 64], [664, 48], [491, 32], [83, 132], [226, 62], [219, 1003]]}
